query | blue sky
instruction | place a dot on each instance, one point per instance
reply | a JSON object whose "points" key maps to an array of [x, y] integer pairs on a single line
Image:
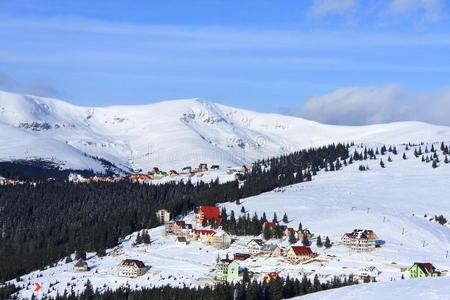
{"points": [[269, 56]]}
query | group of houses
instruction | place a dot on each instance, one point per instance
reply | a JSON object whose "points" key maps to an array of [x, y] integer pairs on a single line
{"points": [[360, 240], [126, 268], [184, 231], [6, 181], [294, 255]]}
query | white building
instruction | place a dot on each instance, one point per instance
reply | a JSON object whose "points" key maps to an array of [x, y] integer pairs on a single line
{"points": [[255, 246], [221, 240], [131, 268], [163, 216], [360, 240], [368, 273], [181, 242]]}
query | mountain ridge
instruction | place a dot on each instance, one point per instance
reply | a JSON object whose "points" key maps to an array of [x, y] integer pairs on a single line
{"points": [[174, 133]]}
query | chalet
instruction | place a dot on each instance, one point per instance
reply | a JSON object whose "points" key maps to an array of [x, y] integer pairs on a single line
{"points": [[221, 240], [423, 270], [181, 242], [173, 173], [202, 167], [204, 236], [288, 231], [159, 175], [81, 266], [186, 169], [154, 170], [227, 270], [208, 213], [301, 233], [297, 254], [270, 276], [272, 225], [271, 250], [255, 246], [241, 256], [215, 167], [247, 168], [368, 273], [163, 216], [131, 268], [75, 178], [178, 228], [141, 178], [360, 240]]}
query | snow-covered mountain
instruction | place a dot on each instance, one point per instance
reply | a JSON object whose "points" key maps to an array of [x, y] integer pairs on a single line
{"points": [[172, 134]]}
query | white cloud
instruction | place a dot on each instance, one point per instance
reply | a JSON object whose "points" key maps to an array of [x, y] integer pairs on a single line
{"points": [[323, 8], [430, 10], [372, 105]]}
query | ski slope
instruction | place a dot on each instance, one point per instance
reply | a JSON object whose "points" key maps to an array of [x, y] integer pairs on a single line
{"points": [[172, 134]]}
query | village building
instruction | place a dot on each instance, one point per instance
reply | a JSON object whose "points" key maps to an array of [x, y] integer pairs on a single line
{"points": [[178, 228], [360, 240], [215, 167], [163, 216], [75, 178], [241, 256], [368, 273], [288, 230], [203, 235], [272, 225], [270, 276], [221, 240], [255, 246], [301, 233], [297, 254], [271, 250], [187, 169], [173, 173], [140, 178], [181, 242], [202, 167], [423, 270], [159, 175], [227, 270], [208, 213], [81, 266], [131, 268], [247, 168]]}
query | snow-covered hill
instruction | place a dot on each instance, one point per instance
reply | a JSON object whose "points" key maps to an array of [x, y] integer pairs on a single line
{"points": [[172, 134], [392, 201], [425, 288]]}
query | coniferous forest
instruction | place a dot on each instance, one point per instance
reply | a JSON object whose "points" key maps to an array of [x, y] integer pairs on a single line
{"points": [[248, 290], [45, 222]]}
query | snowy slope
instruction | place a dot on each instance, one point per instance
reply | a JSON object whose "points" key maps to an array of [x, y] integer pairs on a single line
{"points": [[383, 200], [419, 289], [172, 134]]}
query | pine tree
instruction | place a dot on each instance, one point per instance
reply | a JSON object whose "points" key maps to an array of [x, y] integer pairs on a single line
{"points": [[434, 165], [292, 238], [327, 243], [382, 163], [319, 242], [275, 217], [68, 259], [404, 155], [305, 241], [243, 209], [285, 218], [267, 233], [300, 227], [146, 238], [80, 255], [389, 159]]}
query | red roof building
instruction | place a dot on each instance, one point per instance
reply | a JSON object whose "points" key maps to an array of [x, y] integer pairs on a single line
{"points": [[208, 213]]}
